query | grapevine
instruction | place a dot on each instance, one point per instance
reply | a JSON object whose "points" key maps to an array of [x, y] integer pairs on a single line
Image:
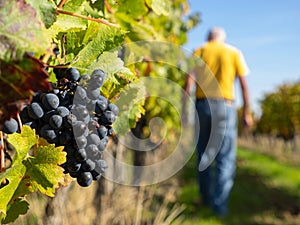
{"points": [[61, 78]]}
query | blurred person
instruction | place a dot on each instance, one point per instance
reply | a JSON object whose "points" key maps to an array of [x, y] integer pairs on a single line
{"points": [[224, 63]]}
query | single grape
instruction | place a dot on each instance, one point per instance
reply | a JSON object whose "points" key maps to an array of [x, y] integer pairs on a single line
{"points": [[24, 115], [80, 94], [80, 111], [72, 74], [80, 155], [79, 128], [56, 121], [50, 101], [101, 166], [102, 145], [69, 120], [93, 94], [48, 133], [10, 126], [92, 151], [101, 105], [62, 111], [88, 165], [96, 175], [56, 51], [113, 108], [35, 111], [81, 141], [93, 139], [107, 118], [102, 131], [110, 131], [85, 179], [97, 79]]}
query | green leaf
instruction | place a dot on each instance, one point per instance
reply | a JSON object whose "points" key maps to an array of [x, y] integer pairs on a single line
{"points": [[161, 7], [130, 103], [66, 23], [138, 30], [13, 176], [18, 207], [20, 31], [43, 173], [109, 62], [22, 142], [39, 172], [107, 38], [134, 8], [45, 9]]}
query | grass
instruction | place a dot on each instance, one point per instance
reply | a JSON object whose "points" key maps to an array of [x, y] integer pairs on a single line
{"points": [[266, 192]]}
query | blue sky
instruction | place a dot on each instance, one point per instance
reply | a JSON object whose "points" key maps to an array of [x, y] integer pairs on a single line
{"points": [[266, 31]]}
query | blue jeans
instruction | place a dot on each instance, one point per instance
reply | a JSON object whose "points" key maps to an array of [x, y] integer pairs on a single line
{"points": [[216, 150]]}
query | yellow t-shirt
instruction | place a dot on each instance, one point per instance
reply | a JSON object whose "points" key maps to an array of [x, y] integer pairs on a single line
{"points": [[222, 62]]}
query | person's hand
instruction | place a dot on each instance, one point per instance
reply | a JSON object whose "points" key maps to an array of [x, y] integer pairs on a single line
{"points": [[247, 120]]}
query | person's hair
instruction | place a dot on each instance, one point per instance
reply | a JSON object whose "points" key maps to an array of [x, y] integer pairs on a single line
{"points": [[216, 33]]}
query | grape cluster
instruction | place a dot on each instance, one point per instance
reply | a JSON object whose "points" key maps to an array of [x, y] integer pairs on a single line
{"points": [[75, 115]]}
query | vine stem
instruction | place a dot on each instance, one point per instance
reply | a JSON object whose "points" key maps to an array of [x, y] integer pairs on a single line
{"points": [[2, 156], [61, 4], [19, 121], [108, 8], [60, 11]]}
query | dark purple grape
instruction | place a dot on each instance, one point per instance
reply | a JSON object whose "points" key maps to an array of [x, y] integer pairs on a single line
{"points": [[50, 101], [88, 165], [113, 108], [62, 111], [72, 74], [107, 118], [102, 131], [56, 121], [48, 133], [35, 111], [81, 141], [10, 126], [80, 155], [85, 179]]}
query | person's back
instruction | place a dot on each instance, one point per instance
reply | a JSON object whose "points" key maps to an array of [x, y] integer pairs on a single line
{"points": [[217, 117], [225, 63]]}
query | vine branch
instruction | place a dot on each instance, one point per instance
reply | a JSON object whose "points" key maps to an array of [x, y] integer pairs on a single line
{"points": [[2, 156], [60, 11], [61, 4]]}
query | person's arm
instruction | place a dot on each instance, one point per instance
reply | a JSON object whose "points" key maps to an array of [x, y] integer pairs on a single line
{"points": [[247, 116]]}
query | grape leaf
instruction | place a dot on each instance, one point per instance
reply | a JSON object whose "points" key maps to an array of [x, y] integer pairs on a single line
{"points": [[42, 171], [19, 79], [139, 30], [109, 62], [20, 31], [22, 143], [133, 8], [67, 23], [18, 207], [130, 103], [160, 7], [107, 38], [45, 10], [39, 172]]}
